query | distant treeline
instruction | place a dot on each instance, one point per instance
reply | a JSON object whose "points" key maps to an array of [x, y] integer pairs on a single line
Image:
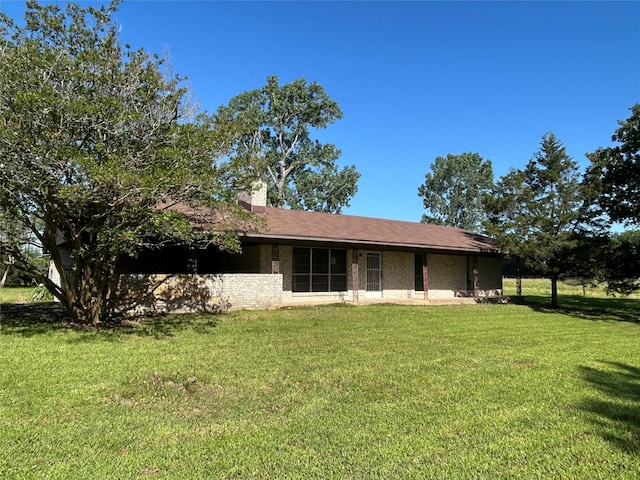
{"points": [[510, 268]]}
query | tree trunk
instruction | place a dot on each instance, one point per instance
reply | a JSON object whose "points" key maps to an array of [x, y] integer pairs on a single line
{"points": [[6, 271], [93, 290], [554, 291], [87, 298], [85, 287], [4, 277]]}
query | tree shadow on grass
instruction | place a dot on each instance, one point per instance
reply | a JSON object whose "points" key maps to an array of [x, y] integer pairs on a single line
{"points": [[618, 309], [29, 319], [615, 410]]}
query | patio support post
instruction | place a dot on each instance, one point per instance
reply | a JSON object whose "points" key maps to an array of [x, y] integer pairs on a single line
{"points": [[355, 281], [476, 283], [425, 277], [275, 259]]}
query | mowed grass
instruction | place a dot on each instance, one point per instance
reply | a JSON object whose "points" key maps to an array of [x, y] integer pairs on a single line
{"points": [[481, 391], [541, 288], [16, 294]]}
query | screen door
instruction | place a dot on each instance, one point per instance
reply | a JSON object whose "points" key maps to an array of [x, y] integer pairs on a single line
{"points": [[374, 272]]}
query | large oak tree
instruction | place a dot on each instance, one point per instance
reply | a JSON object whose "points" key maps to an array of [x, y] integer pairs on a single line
{"points": [[452, 192], [270, 131], [93, 135]]}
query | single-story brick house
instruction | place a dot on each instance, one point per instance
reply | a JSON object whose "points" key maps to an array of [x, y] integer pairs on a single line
{"points": [[302, 257]]}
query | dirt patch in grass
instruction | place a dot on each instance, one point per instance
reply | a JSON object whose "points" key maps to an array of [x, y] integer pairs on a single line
{"points": [[523, 364]]}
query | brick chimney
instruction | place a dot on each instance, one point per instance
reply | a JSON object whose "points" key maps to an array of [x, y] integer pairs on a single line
{"points": [[256, 200]]}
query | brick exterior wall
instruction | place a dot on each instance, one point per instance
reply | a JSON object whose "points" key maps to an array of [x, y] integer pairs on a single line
{"points": [[397, 275], [447, 275], [249, 260], [163, 293], [490, 275]]}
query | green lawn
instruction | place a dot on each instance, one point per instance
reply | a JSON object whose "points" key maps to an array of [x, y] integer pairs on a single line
{"points": [[540, 288], [482, 391], [16, 294]]}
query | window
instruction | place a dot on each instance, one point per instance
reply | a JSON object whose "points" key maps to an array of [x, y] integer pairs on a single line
{"points": [[319, 270]]}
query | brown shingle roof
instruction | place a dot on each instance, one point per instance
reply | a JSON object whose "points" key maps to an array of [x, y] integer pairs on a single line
{"points": [[299, 225]]}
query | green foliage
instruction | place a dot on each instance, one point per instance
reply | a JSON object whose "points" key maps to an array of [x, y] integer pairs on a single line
{"points": [[535, 213], [615, 172], [622, 263], [21, 276], [482, 391], [93, 135], [452, 192], [41, 294], [270, 130], [30, 265]]}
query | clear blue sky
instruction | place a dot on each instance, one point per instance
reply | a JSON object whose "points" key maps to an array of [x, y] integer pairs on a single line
{"points": [[415, 80]]}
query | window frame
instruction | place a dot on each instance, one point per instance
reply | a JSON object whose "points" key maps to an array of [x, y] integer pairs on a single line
{"points": [[329, 275]]}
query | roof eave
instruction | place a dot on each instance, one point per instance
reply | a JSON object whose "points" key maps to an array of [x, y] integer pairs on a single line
{"points": [[372, 243]]}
